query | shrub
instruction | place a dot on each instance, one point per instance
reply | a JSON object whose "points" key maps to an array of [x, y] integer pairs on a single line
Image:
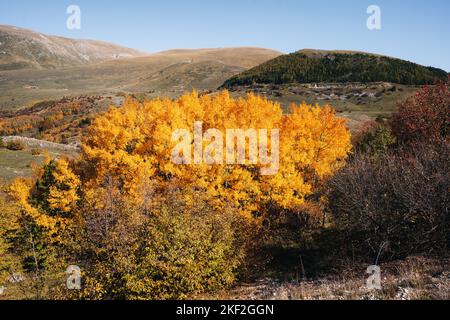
{"points": [[290, 238], [166, 251], [290, 228], [8, 224], [15, 145], [193, 252], [36, 151], [46, 124], [24, 253], [374, 139], [84, 122], [425, 117], [396, 204]]}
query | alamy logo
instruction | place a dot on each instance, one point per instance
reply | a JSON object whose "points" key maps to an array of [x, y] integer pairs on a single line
{"points": [[242, 147], [374, 280], [374, 20], [74, 20], [74, 280]]}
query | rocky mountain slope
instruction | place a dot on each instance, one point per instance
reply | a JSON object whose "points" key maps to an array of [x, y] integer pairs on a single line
{"points": [[24, 49]]}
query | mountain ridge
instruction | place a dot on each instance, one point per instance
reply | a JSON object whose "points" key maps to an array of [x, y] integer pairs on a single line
{"points": [[27, 49], [22, 48], [25, 81]]}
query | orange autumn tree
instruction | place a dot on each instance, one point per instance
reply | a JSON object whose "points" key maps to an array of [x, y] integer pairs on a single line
{"points": [[133, 144], [51, 198]]}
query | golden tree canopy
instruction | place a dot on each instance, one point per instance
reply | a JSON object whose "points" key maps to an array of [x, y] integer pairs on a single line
{"points": [[133, 144]]}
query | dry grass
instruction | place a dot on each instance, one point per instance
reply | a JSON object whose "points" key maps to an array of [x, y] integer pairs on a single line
{"points": [[15, 164], [416, 278], [168, 73]]}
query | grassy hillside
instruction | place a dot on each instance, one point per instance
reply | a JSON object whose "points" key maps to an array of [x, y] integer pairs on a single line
{"points": [[311, 66], [245, 57], [14, 164], [26, 49], [357, 102], [167, 73]]}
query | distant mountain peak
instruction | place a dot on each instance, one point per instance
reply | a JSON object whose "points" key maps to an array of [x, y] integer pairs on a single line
{"points": [[27, 49]]}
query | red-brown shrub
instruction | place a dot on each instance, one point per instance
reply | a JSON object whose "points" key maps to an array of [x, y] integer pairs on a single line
{"points": [[425, 117]]}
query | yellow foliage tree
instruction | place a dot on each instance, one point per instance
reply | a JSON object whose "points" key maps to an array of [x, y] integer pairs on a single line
{"points": [[9, 216], [155, 228], [63, 194], [51, 197], [134, 143]]}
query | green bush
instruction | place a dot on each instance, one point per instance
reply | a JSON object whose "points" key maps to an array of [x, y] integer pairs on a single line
{"points": [[164, 252], [187, 253], [375, 139]]}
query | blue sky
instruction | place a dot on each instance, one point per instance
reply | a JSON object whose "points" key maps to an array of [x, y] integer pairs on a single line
{"points": [[416, 30]]}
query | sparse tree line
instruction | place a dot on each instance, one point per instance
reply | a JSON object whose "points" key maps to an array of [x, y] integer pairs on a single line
{"points": [[141, 227]]}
